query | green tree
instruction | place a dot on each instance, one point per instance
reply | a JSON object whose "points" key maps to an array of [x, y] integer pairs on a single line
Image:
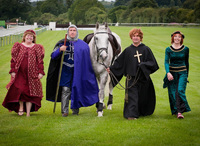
{"points": [[169, 3], [171, 15], [113, 14], [146, 15], [118, 14], [182, 15], [123, 17], [95, 14], [172, 3], [148, 4], [163, 2], [79, 8], [32, 15], [46, 18], [121, 2], [191, 17], [14, 9], [189, 4], [35, 12], [197, 11], [143, 3], [63, 18], [179, 3], [69, 3], [54, 7], [58, 8], [163, 15]]}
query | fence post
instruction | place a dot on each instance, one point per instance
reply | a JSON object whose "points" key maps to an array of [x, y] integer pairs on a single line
{"points": [[6, 38], [9, 39], [3, 40], [13, 40], [18, 36]]}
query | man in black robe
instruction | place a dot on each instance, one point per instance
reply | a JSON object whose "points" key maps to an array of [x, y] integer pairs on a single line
{"points": [[136, 62]]}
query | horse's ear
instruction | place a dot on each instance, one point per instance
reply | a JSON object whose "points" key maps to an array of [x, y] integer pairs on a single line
{"points": [[97, 25], [106, 24]]}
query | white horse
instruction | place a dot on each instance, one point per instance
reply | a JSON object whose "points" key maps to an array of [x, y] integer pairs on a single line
{"points": [[101, 54]]}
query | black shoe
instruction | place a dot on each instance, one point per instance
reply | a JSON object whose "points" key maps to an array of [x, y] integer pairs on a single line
{"points": [[65, 114]]}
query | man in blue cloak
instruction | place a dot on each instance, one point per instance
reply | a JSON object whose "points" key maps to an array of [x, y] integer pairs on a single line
{"points": [[78, 81]]}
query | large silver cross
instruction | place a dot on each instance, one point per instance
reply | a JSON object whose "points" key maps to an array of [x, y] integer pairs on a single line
{"points": [[138, 56], [70, 52]]}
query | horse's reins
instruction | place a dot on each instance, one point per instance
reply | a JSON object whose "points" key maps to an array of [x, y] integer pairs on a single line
{"points": [[99, 50], [112, 76]]}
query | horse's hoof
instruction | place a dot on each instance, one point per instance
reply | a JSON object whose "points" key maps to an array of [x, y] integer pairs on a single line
{"points": [[100, 114], [104, 106], [109, 107]]}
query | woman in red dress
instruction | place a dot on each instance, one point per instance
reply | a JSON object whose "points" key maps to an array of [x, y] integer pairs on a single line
{"points": [[25, 89]]}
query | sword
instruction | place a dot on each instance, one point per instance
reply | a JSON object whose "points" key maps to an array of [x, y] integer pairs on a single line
{"points": [[59, 76]]}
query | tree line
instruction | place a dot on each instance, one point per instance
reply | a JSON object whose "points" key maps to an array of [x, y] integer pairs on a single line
{"points": [[92, 11]]}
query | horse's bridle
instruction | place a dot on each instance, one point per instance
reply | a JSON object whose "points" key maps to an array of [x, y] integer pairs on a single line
{"points": [[99, 50]]}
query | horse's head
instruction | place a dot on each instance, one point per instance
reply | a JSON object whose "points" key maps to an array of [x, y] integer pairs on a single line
{"points": [[101, 40]]}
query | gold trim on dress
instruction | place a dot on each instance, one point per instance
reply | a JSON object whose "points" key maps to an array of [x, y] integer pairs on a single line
{"points": [[177, 50], [177, 69]]}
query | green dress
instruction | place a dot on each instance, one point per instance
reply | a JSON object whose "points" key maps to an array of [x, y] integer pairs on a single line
{"points": [[177, 63]]}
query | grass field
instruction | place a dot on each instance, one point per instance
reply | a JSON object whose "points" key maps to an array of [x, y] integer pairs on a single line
{"points": [[47, 128]]}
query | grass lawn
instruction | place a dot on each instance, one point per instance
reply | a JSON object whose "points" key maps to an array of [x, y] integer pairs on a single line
{"points": [[47, 128]]}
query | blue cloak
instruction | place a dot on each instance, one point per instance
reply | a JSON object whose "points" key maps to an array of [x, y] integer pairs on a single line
{"points": [[84, 91]]}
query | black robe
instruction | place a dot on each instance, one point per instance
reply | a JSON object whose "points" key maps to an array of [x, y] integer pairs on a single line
{"points": [[127, 64], [52, 77]]}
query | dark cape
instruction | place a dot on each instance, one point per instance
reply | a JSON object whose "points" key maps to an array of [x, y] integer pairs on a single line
{"points": [[127, 64], [84, 91]]}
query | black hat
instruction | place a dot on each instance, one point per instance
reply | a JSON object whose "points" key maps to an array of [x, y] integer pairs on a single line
{"points": [[178, 32]]}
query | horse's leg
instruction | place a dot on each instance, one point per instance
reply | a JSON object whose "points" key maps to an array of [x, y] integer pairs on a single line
{"points": [[110, 98], [103, 80], [97, 104]]}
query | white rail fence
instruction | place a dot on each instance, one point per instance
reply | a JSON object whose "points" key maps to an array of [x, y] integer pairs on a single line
{"points": [[11, 38]]}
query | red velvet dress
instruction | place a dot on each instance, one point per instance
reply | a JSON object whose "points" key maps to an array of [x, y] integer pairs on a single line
{"points": [[19, 90]]}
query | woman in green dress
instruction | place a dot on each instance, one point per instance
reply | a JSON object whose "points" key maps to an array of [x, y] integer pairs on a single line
{"points": [[177, 69]]}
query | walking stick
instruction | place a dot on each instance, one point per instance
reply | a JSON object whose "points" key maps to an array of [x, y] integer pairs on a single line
{"points": [[59, 76]]}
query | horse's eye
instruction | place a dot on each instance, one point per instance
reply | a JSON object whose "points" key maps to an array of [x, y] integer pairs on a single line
{"points": [[96, 38]]}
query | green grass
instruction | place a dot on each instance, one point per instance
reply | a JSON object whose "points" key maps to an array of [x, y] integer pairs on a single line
{"points": [[47, 128]]}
